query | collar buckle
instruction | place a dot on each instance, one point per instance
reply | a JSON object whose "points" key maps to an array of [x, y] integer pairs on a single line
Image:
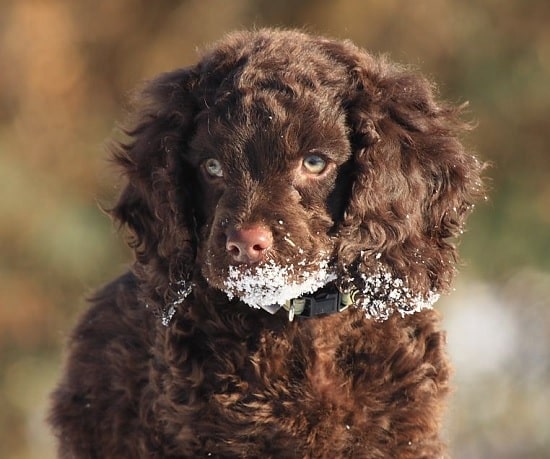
{"points": [[324, 302]]}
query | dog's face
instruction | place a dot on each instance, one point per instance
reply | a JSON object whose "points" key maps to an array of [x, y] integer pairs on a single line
{"points": [[272, 172], [282, 160]]}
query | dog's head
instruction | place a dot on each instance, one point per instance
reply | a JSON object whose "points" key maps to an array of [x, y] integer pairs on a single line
{"points": [[282, 162]]}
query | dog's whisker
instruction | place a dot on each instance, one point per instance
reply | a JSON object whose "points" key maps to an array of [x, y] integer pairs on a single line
{"points": [[289, 241]]}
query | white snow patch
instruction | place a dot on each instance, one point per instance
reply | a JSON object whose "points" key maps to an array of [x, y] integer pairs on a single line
{"points": [[383, 294], [270, 283], [184, 289]]}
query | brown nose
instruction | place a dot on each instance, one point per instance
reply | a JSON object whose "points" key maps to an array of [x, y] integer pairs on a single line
{"points": [[249, 245]]}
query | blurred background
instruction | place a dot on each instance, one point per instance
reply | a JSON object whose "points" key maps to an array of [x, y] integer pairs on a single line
{"points": [[65, 71]]}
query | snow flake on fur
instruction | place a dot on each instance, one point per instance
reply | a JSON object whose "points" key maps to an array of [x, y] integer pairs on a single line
{"points": [[379, 295], [382, 294]]}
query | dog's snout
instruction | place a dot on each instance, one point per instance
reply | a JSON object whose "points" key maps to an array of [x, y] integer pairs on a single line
{"points": [[249, 245]]}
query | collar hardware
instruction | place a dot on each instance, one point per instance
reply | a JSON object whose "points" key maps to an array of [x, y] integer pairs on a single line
{"points": [[320, 303]]}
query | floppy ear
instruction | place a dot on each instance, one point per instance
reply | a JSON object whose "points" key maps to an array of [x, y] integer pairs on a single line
{"points": [[155, 206], [415, 183]]}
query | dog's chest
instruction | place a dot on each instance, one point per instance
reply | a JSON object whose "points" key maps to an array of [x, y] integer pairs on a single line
{"points": [[293, 384]]}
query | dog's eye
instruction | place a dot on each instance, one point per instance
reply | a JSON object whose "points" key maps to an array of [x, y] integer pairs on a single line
{"points": [[314, 164], [213, 167]]}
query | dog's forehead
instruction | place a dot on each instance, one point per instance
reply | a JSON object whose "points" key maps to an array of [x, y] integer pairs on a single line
{"points": [[268, 130]]}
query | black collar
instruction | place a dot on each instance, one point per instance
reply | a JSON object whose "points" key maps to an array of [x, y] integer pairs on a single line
{"points": [[328, 300]]}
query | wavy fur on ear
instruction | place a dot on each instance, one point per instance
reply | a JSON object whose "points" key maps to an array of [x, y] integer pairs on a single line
{"points": [[155, 205], [414, 183]]}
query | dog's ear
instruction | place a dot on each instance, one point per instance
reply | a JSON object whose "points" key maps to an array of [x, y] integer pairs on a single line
{"points": [[155, 205], [415, 182]]}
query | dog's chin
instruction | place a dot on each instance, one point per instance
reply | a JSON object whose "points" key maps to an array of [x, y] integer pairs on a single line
{"points": [[269, 283]]}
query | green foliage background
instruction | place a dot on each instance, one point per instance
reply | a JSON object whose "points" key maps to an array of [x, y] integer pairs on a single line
{"points": [[65, 71]]}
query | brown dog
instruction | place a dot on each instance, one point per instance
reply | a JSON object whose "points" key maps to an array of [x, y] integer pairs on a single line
{"points": [[291, 201]]}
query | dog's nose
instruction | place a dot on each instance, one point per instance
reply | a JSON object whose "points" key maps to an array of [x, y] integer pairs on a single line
{"points": [[249, 245]]}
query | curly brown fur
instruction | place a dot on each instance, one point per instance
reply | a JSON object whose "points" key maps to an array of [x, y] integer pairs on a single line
{"points": [[331, 156]]}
